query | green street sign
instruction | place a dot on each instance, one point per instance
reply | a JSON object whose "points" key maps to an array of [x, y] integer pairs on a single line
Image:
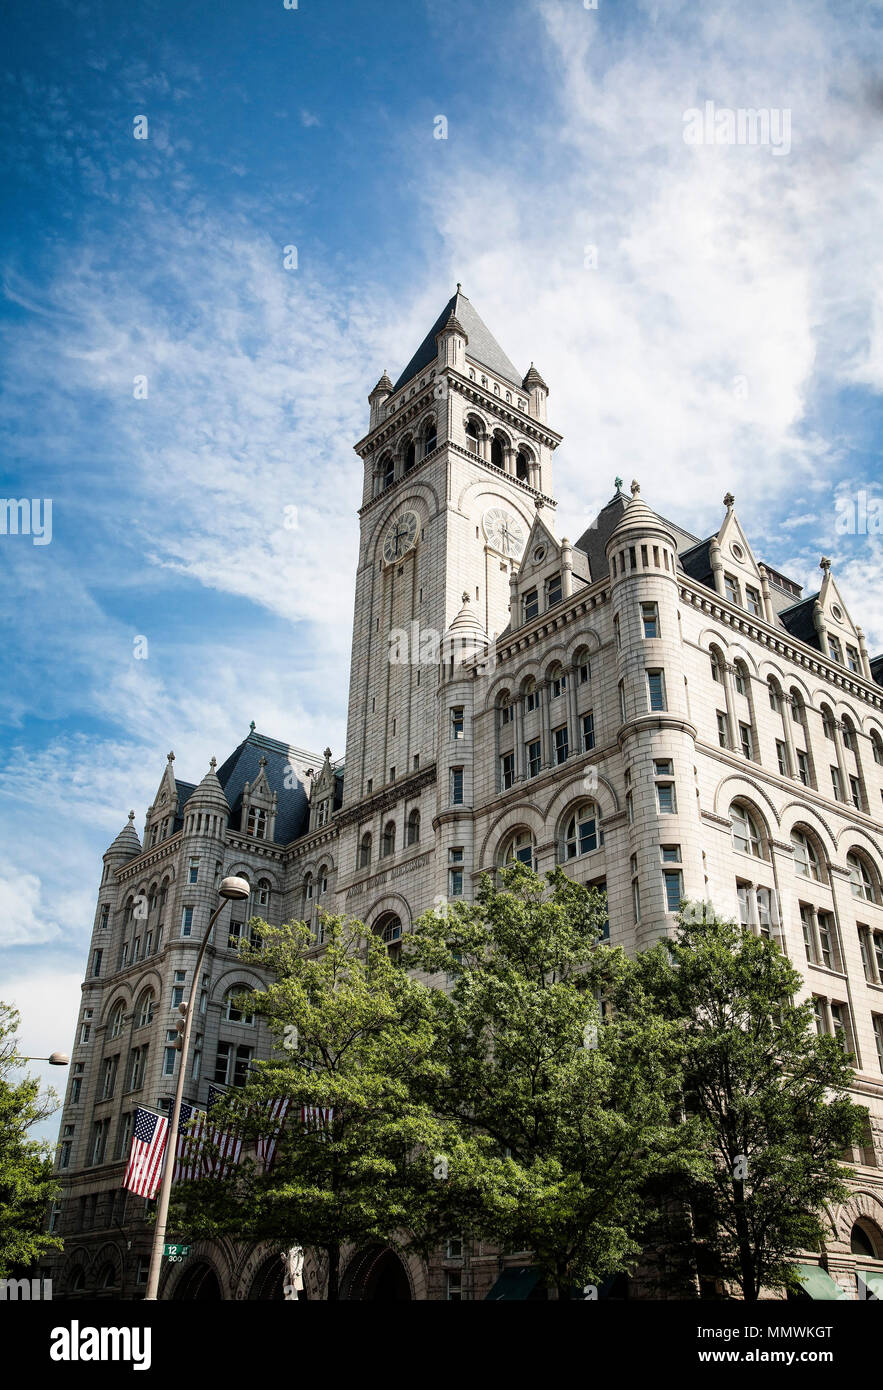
{"points": [[176, 1252]]}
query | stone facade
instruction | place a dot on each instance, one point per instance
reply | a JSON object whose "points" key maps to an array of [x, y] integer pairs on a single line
{"points": [[662, 714]]}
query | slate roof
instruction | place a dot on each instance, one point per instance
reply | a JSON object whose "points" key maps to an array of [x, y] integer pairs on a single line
{"points": [[799, 622], [482, 346], [593, 541], [243, 765]]}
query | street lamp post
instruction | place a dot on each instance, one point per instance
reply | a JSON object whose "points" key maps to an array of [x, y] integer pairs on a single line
{"points": [[232, 890], [55, 1059]]}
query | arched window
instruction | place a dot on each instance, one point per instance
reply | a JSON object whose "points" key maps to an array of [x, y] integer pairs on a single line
{"points": [[497, 454], [581, 833], [144, 1011], [388, 470], [775, 692], [582, 666], [388, 843], [862, 880], [717, 666], [365, 851], [557, 680], [410, 455], [153, 895], [107, 1277], [806, 857], [263, 892], [746, 832], [504, 708], [430, 437], [322, 880], [850, 740], [798, 713], [877, 747], [414, 827], [741, 678], [232, 1012], [116, 1020], [828, 721], [76, 1280], [518, 847], [522, 466], [308, 894], [389, 929], [473, 437], [529, 690], [865, 1239]]}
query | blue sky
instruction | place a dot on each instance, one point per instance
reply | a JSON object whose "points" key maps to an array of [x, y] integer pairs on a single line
{"points": [[725, 334]]}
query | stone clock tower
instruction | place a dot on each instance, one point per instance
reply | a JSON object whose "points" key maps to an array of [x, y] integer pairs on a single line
{"points": [[457, 460]]}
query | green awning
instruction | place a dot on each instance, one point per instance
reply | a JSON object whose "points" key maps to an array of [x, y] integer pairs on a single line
{"points": [[869, 1283], [817, 1283], [514, 1283]]}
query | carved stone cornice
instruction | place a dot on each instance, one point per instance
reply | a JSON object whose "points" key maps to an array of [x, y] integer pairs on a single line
{"points": [[390, 796]]}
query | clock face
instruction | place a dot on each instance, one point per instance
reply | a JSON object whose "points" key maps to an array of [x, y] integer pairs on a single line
{"points": [[400, 537], [503, 531]]}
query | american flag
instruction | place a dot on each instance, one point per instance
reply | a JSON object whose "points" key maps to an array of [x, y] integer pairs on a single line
{"points": [[188, 1152], [266, 1145], [229, 1145], [146, 1153], [317, 1117]]}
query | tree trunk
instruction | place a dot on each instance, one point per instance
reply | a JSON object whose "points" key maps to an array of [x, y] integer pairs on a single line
{"points": [[746, 1251]]}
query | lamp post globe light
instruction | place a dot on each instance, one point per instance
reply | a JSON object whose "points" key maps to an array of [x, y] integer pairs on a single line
{"points": [[55, 1059], [231, 890]]}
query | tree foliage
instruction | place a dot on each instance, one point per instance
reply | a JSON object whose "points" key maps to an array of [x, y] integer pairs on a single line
{"points": [[27, 1184]]}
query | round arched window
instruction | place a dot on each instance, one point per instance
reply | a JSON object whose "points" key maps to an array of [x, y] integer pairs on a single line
{"points": [[746, 831], [518, 848], [806, 857], [581, 833]]}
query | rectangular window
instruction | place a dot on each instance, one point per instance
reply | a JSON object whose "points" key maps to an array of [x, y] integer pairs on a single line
{"points": [[855, 791], [584, 673], [752, 601], [671, 854], [171, 1052], [819, 1014], [553, 591], [878, 1038], [531, 605], [588, 731], [723, 733], [96, 963], [456, 786], [454, 1286], [532, 699], [656, 689], [650, 619], [197, 1057], [731, 588], [65, 1154], [108, 1077], [505, 713], [177, 995], [455, 883], [622, 701], [826, 940], [834, 648], [746, 740], [99, 1134], [636, 899], [458, 722], [674, 889], [534, 758], [852, 659], [193, 872], [803, 767], [665, 795], [782, 758], [629, 808], [136, 1067], [86, 1026], [76, 1087], [841, 1026], [187, 921], [836, 783], [507, 770], [559, 685], [561, 746], [809, 936]]}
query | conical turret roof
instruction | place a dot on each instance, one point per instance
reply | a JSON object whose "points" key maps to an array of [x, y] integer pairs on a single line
{"points": [[637, 516], [209, 795], [126, 844]]}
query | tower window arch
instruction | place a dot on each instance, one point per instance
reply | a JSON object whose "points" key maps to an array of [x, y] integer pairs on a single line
{"points": [[504, 707], [522, 466], [807, 861], [740, 678], [717, 665], [410, 455], [365, 850], [116, 1020], [877, 747], [430, 437], [389, 929], [387, 470], [582, 834], [388, 843], [862, 878], [518, 847], [144, 1009], [413, 830], [746, 831], [474, 435], [775, 694], [850, 739], [232, 1012]]}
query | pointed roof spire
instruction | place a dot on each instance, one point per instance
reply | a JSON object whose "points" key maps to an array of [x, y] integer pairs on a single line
{"points": [[383, 387], [209, 794], [127, 844], [533, 379], [483, 346]]}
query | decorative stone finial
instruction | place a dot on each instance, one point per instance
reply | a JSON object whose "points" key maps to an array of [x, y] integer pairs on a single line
{"points": [[131, 816], [327, 752], [825, 564], [636, 487], [251, 727], [459, 287], [465, 596], [617, 483], [170, 757], [212, 762], [729, 501], [262, 761]]}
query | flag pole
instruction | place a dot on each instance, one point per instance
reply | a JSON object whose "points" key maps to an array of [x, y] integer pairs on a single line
{"points": [[231, 889]]}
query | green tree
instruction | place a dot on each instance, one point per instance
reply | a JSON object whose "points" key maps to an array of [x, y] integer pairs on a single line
{"points": [[769, 1093], [355, 1035], [27, 1184], [577, 1110]]}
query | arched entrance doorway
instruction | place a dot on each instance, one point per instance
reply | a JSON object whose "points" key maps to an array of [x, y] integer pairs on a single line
{"points": [[200, 1284], [268, 1284], [377, 1275]]}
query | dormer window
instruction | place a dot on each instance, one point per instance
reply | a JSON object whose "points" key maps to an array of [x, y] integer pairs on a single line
{"points": [[323, 813], [752, 601], [553, 591], [257, 823], [835, 651], [531, 605], [731, 589]]}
